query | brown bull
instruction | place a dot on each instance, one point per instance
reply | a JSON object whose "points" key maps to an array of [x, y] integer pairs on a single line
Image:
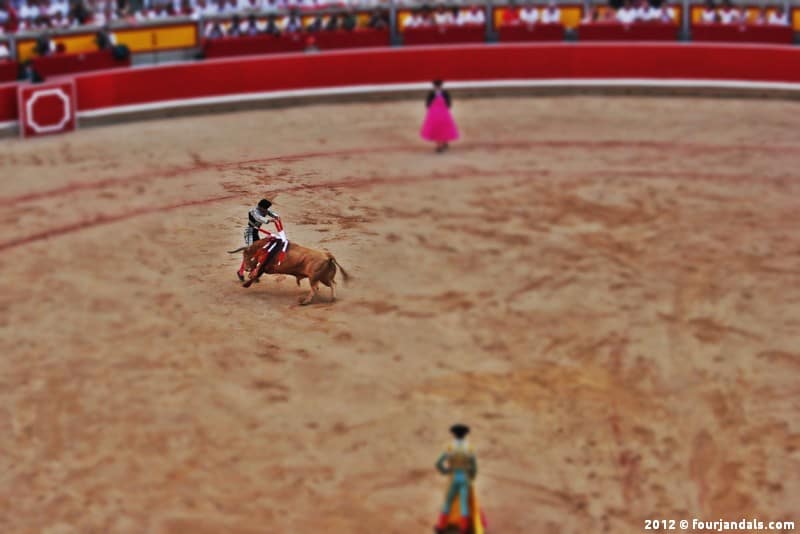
{"points": [[300, 262]]}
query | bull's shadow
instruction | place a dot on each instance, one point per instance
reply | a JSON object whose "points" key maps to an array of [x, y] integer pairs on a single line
{"points": [[281, 289]]}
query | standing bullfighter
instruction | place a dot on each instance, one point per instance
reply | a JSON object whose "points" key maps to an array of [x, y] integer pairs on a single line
{"points": [[461, 505], [439, 125], [278, 242]]}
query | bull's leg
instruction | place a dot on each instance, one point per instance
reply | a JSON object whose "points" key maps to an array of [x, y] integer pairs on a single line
{"points": [[240, 272], [257, 263], [312, 292], [328, 279], [254, 275], [332, 285]]}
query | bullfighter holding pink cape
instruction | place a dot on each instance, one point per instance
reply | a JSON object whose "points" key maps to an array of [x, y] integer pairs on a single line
{"points": [[439, 125]]}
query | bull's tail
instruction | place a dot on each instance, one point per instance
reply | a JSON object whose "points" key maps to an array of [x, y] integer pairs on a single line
{"points": [[237, 250], [335, 263]]}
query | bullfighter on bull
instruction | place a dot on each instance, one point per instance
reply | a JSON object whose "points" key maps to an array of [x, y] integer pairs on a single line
{"points": [[277, 243], [299, 261], [296, 260]]}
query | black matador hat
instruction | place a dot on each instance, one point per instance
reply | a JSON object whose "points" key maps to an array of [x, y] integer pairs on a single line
{"points": [[264, 204], [459, 430]]}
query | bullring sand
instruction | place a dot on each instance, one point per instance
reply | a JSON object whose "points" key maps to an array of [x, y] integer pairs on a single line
{"points": [[607, 290]]}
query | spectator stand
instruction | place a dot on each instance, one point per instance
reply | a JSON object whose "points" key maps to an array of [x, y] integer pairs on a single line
{"points": [[139, 37], [538, 20], [772, 22], [6, 48], [288, 21], [443, 23], [753, 13], [796, 19], [624, 21], [8, 67], [606, 13], [281, 31], [178, 28], [71, 50]]}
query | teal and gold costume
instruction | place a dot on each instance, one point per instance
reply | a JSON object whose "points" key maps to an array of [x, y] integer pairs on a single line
{"points": [[460, 463]]}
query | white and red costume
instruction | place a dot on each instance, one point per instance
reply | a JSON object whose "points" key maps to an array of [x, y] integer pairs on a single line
{"points": [[277, 243]]}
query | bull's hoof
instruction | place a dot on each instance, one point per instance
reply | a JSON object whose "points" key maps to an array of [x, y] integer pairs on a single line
{"points": [[240, 276], [305, 301]]}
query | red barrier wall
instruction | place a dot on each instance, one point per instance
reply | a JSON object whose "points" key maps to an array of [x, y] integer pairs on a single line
{"points": [[293, 42], [634, 32], [537, 32], [444, 35], [8, 102], [355, 39], [730, 33], [418, 64], [377, 66], [60, 64], [8, 71], [250, 45]]}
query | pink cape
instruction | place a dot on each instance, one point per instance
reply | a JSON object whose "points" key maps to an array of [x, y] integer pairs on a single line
{"points": [[439, 125]]}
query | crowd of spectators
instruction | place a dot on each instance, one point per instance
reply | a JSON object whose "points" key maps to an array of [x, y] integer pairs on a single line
{"points": [[443, 16], [104, 39], [475, 15], [295, 22], [37, 15], [530, 14], [252, 17], [629, 12], [727, 13], [659, 11], [40, 15], [213, 8]]}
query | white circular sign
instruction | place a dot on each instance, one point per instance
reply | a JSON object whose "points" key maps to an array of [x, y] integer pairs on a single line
{"points": [[67, 110]]}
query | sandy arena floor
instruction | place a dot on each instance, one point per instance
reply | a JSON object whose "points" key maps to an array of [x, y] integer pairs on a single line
{"points": [[607, 290]]}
